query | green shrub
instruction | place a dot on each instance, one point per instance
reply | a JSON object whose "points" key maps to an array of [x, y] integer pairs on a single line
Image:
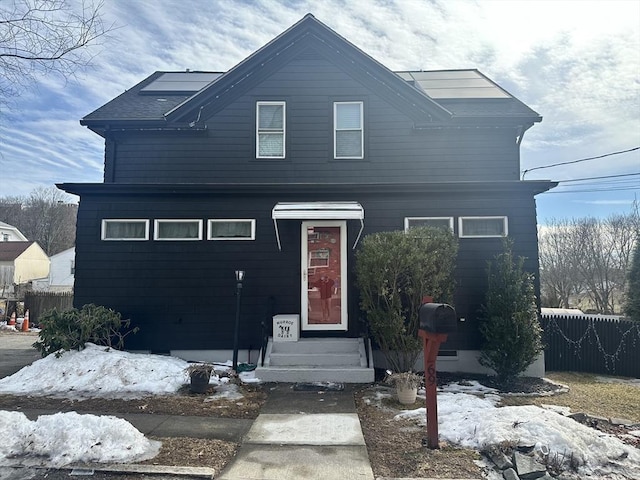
{"points": [[71, 329], [509, 318], [632, 305], [394, 270]]}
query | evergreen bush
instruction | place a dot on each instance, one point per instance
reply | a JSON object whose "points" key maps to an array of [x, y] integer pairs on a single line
{"points": [[72, 329], [632, 305], [509, 317], [394, 271]]}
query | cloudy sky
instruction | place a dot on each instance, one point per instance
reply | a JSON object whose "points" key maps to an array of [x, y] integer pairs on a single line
{"points": [[575, 62]]}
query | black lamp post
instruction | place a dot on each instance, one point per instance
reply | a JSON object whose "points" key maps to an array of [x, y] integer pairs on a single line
{"points": [[239, 279]]}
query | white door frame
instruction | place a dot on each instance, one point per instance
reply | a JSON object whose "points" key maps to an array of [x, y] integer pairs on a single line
{"points": [[304, 271]]}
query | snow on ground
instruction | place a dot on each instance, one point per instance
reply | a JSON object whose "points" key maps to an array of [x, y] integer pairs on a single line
{"points": [[469, 415], [477, 422], [65, 438], [95, 372], [101, 372]]}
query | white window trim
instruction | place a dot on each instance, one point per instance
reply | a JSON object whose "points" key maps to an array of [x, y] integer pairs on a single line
{"points": [[505, 224], [226, 220], [335, 130], [284, 129], [408, 219], [311, 252], [177, 220], [105, 221]]}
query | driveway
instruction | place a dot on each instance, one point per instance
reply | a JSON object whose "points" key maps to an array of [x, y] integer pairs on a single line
{"points": [[16, 351]]}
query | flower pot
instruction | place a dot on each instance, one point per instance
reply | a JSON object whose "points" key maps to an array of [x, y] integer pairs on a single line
{"points": [[200, 382], [406, 395]]}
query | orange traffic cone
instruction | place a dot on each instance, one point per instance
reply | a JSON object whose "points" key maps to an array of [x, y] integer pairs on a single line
{"points": [[25, 322], [12, 320]]}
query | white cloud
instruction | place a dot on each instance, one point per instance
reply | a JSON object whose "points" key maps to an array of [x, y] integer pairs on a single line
{"points": [[577, 64]]}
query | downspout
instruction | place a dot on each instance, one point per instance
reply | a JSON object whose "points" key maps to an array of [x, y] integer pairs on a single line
{"points": [[110, 149]]}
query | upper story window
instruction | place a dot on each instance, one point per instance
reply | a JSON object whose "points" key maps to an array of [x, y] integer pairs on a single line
{"points": [[178, 230], [270, 129], [125, 229], [439, 222], [348, 135], [5, 237], [482, 227]]}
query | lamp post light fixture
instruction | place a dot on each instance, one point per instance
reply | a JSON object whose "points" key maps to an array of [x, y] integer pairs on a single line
{"points": [[239, 279]]}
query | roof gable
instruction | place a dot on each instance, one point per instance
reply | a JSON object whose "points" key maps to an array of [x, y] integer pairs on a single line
{"points": [[308, 33], [182, 101], [9, 251]]}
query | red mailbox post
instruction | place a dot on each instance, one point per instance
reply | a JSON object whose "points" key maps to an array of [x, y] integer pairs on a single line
{"points": [[436, 321]]}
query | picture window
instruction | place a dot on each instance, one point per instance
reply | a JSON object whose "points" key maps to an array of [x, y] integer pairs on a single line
{"points": [[178, 230], [440, 222], [232, 229], [125, 229], [482, 227]]}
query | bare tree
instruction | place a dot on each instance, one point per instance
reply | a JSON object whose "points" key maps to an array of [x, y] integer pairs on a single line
{"points": [[46, 216], [585, 261], [560, 282], [46, 36]]}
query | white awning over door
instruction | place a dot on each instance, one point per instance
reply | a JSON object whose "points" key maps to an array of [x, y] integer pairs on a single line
{"points": [[317, 211]]}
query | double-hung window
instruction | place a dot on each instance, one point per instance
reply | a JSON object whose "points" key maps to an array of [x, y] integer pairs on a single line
{"points": [[348, 134], [270, 129]]}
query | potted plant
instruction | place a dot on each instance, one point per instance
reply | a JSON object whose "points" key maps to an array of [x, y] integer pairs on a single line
{"points": [[406, 384], [199, 374]]}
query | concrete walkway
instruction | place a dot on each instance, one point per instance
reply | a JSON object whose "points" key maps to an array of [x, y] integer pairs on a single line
{"points": [[299, 434], [303, 435]]}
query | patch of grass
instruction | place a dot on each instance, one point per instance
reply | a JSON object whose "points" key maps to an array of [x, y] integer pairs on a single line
{"points": [[589, 395]]}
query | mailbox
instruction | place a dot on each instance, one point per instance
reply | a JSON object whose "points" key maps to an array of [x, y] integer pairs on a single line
{"points": [[437, 318]]}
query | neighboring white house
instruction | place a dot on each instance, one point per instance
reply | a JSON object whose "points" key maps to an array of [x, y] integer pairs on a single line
{"points": [[61, 273], [9, 233]]}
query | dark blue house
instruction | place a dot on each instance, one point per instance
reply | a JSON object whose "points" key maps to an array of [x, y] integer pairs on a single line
{"points": [[278, 167]]}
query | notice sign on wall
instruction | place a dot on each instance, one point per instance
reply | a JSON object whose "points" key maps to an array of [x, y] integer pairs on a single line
{"points": [[286, 328]]}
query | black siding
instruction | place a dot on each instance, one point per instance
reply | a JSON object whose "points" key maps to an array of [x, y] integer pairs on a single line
{"points": [[182, 294], [394, 150]]}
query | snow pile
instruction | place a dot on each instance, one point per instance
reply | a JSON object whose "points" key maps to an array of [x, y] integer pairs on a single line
{"points": [[99, 371], [474, 422], [66, 438]]}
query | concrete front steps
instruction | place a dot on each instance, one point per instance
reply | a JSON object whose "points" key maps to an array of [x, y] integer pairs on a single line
{"points": [[341, 360]]}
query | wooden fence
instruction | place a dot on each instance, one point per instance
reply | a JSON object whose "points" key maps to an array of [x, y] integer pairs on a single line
{"points": [[39, 302], [592, 344]]}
